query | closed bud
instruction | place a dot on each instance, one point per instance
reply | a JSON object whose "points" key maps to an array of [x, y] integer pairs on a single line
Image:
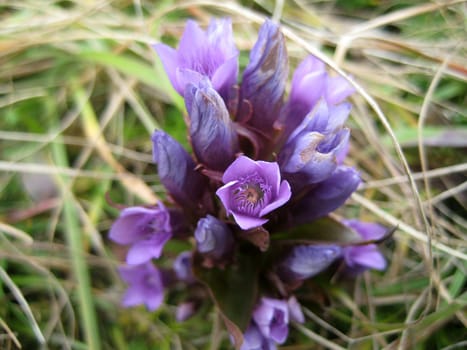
{"points": [[213, 237], [313, 150], [327, 196], [176, 170], [182, 267], [264, 78], [213, 138], [306, 261]]}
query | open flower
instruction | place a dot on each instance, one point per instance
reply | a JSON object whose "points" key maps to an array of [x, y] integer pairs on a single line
{"points": [[211, 53], [363, 257], [252, 189], [145, 285], [272, 318], [145, 229]]}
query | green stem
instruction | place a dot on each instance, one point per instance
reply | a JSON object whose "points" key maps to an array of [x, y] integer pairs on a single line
{"points": [[76, 247]]}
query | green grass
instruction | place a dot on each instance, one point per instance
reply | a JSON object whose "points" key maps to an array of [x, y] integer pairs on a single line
{"points": [[81, 90]]}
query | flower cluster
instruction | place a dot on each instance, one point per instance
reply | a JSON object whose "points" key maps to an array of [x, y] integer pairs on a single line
{"points": [[254, 193]]}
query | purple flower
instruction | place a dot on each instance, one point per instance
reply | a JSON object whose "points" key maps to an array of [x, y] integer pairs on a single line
{"points": [[254, 340], [214, 140], [306, 261], [177, 172], [211, 53], [182, 267], [326, 196], [252, 189], [312, 150], [146, 229], [145, 285], [310, 83], [264, 79], [272, 318], [213, 237], [360, 258]]}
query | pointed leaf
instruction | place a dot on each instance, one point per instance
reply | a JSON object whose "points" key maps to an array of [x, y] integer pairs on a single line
{"points": [[233, 289], [324, 230]]}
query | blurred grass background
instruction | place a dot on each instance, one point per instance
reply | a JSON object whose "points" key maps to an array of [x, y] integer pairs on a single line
{"points": [[81, 91]]}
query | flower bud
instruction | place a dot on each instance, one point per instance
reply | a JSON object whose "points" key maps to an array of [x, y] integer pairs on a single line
{"points": [[182, 267], [213, 237], [176, 171], [306, 261], [265, 77], [327, 195], [310, 83], [214, 140], [295, 310], [311, 152], [185, 311]]}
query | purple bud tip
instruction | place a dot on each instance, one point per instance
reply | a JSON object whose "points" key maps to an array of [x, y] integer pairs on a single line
{"points": [[307, 261], [295, 310], [264, 78], [213, 237], [176, 170], [185, 311], [312, 151], [212, 135], [182, 267]]}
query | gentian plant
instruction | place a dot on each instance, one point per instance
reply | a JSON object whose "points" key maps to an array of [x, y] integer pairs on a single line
{"points": [[253, 197]]}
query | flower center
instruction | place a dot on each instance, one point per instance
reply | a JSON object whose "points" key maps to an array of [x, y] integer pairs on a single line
{"points": [[251, 194], [278, 318], [154, 225]]}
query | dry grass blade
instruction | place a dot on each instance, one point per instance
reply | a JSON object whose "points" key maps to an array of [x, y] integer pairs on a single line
{"points": [[24, 305]]}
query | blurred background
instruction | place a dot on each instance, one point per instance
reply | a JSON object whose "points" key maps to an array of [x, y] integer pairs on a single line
{"points": [[81, 91]]}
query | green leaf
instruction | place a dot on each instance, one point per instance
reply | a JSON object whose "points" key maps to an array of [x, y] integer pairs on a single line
{"points": [[325, 230], [233, 289]]}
